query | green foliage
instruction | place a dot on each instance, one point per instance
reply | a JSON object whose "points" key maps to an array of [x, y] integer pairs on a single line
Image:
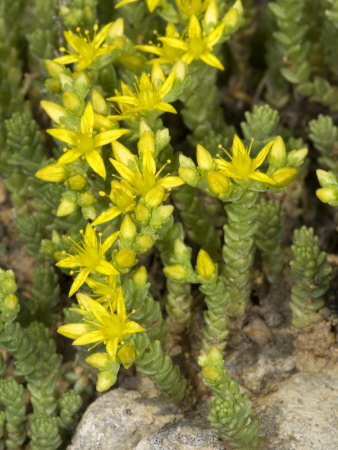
{"points": [[269, 237], [230, 411], [158, 366], [310, 272], [323, 134]]}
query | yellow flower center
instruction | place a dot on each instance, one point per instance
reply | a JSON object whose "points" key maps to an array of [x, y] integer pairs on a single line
{"points": [[197, 46], [148, 98], [112, 327], [85, 143], [90, 257]]}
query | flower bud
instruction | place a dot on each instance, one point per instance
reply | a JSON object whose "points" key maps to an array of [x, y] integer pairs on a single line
{"points": [[284, 176], [231, 19], [277, 156], [328, 195], [205, 266], [52, 173], [154, 197], [127, 355], [181, 251], [326, 178], [11, 303], [65, 81], [117, 29], [86, 199], [211, 373], [157, 74], [105, 380], [218, 183], [140, 276], [204, 159], [162, 139], [82, 81], [128, 228], [55, 111], [142, 213], [67, 205], [99, 360], [211, 14], [176, 271], [189, 176], [296, 158], [146, 143], [164, 212], [77, 182], [54, 69], [125, 258], [72, 102], [144, 243], [89, 212], [180, 70], [99, 104]]}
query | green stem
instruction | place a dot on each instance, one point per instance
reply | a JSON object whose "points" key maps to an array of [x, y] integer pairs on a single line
{"points": [[158, 366], [238, 249]]}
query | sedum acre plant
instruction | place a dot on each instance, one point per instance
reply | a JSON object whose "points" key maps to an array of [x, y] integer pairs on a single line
{"points": [[126, 167]]}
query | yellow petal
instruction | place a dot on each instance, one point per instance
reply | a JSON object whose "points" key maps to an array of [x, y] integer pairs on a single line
{"points": [[120, 305], [109, 241], [95, 161], [97, 310], [170, 182], [52, 173], [212, 60], [108, 215], [284, 176], [238, 148], [152, 4], [69, 263], [106, 268], [167, 85], [124, 171], [66, 59], [89, 338], [87, 120], [132, 327], [55, 111], [194, 29], [90, 237], [101, 35], [215, 35], [123, 155], [64, 135], [108, 136], [79, 280], [262, 177], [124, 2], [111, 347], [69, 156], [73, 330], [173, 42], [166, 107], [260, 158], [148, 163]]}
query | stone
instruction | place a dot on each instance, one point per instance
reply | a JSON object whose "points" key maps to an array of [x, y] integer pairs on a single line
{"points": [[258, 331], [120, 418], [301, 414]]}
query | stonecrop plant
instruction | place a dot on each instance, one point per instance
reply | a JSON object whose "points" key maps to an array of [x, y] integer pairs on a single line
{"points": [[132, 175]]}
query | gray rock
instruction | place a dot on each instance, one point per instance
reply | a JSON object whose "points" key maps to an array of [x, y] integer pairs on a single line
{"points": [[189, 435], [258, 331], [119, 419], [302, 414]]}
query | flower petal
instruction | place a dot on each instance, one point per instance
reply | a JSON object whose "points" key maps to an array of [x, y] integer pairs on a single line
{"points": [[132, 327], [73, 330], [66, 59], [89, 338], [79, 280], [166, 107], [87, 120], [169, 182], [173, 42], [258, 161], [109, 241], [194, 29], [108, 215], [262, 177], [108, 136], [97, 310], [67, 136], [95, 161], [106, 268], [55, 111], [90, 237], [69, 156], [111, 347], [212, 60], [69, 263]]}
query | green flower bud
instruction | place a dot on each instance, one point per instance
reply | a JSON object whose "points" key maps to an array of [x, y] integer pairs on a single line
{"points": [[176, 271], [205, 266], [128, 228], [77, 182], [125, 258], [72, 102], [99, 104]]}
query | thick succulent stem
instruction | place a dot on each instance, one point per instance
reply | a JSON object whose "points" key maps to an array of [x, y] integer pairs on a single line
{"points": [[158, 366], [239, 249]]}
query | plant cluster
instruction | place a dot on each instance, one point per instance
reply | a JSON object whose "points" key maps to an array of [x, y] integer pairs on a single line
{"points": [[112, 188]]}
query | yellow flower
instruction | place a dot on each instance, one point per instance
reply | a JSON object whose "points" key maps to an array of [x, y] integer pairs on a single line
{"points": [[89, 257], [84, 50], [101, 325], [140, 175], [150, 3], [149, 94], [242, 167], [83, 143], [166, 53], [197, 45], [192, 7], [123, 201], [104, 292]]}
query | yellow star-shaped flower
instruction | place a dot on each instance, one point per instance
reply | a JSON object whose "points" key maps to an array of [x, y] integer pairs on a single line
{"points": [[150, 3], [140, 175], [101, 325], [84, 50], [84, 143], [197, 45], [123, 201], [148, 95], [90, 258]]}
